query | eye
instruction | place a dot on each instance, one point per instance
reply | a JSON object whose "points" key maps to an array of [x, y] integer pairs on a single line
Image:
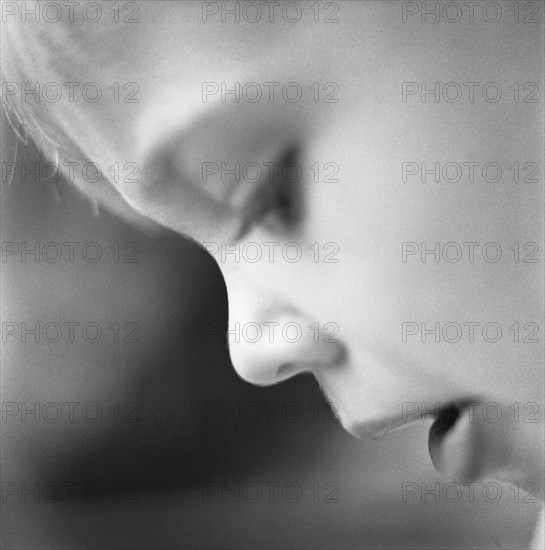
{"points": [[277, 202]]}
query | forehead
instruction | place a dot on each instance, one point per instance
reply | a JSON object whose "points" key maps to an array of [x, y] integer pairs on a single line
{"points": [[149, 37], [181, 43], [173, 47], [176, 32]]}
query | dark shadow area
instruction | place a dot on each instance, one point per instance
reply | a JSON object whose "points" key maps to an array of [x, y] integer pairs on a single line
{"points": [[189, 414]]}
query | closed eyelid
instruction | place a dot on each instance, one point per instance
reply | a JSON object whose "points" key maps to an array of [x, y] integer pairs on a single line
{"points": [[173, 171], [229, 133]]}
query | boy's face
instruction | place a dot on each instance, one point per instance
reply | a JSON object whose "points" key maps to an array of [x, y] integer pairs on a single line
{"points": [[397, 296]]}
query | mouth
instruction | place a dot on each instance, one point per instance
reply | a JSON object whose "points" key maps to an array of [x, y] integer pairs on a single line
{"points": [[470, 439], [458, 446]]}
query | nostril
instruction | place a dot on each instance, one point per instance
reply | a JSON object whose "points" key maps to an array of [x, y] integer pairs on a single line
{"points": [[286, 370], [311, 357], [341, 354], [291, 368]]}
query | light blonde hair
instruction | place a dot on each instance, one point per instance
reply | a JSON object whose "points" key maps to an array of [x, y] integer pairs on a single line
{"points": [[40, 52]]}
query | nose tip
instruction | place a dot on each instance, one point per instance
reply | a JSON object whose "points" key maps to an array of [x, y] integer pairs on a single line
{"points": [[288, 347]]}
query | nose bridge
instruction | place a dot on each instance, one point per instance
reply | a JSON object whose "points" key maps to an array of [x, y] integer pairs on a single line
{"points": [[270, 341]]}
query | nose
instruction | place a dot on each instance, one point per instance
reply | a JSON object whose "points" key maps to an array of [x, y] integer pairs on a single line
{"points": [[270, 341]]}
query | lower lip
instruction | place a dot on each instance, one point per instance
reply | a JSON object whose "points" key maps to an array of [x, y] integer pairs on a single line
{"points": [[454, 445], [465, 446]]}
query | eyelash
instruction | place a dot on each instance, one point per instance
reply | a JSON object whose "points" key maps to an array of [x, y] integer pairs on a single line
{"points": [[277, 204]]}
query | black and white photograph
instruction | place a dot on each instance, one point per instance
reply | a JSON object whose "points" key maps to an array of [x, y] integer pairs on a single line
{"points": [[272, 275]]}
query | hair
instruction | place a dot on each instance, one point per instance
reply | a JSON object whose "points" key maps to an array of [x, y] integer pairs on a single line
{"points": [[59, 132]]}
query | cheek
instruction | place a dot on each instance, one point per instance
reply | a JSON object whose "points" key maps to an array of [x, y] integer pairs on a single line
{"points": [[384, 283], [423, 248]]}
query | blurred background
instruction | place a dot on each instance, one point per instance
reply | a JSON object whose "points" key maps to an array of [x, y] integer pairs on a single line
{"points": [[183, 454]]}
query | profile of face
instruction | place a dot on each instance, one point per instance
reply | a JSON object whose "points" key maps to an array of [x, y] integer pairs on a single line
{"points": [[345, 250]]}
